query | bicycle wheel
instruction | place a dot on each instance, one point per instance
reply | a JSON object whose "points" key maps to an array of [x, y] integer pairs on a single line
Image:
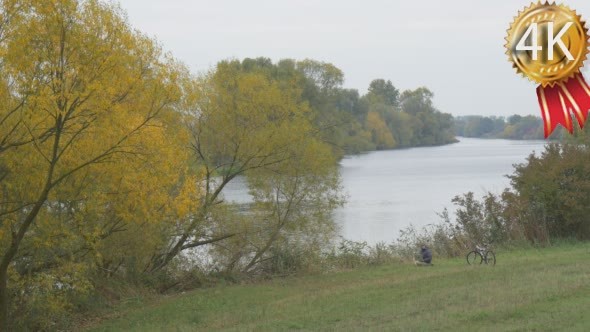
{"points": [[473, 257], [490, 258]]}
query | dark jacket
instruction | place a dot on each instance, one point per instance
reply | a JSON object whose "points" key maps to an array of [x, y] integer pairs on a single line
{"points": [[426, 255]]}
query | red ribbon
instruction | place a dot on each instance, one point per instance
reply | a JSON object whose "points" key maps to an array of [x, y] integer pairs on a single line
{"points": [[559, 100]]}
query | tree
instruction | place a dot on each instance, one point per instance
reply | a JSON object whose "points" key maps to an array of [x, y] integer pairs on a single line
{"points": [[241, 121], [402, 127], [325, 76], [384, 92], [553, 187], [430, 127], [381, 134], [85, 87], [293, 205], [417, 101]]}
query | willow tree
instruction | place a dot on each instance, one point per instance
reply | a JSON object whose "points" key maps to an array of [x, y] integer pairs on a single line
{"points": [[292, 210], [81, 91], [241, 120]]}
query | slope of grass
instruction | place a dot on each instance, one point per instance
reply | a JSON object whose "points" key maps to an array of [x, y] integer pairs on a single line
{"points": [[534, 289]]}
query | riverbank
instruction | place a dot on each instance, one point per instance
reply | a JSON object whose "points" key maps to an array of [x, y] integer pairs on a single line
{"points": [[528, 289]]}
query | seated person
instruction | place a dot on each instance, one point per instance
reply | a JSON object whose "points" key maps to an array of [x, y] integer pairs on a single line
{"points": [[425, 258], [426, 255]]}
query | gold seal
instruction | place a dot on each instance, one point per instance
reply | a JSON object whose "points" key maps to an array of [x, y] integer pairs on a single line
{"points": [[547, 43]]}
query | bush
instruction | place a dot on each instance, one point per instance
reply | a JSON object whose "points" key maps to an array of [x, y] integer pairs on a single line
{"points": [[349, 254], [46, 300]]}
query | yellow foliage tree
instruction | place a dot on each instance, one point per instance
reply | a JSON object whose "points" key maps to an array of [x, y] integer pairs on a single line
{"points": [[382, 136], [89, 134], [240, 121]]}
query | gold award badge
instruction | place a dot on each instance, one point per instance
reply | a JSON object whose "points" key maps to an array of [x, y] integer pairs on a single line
{"points": [[548, 43]]}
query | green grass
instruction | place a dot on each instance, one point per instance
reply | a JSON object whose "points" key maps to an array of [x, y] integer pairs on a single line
{"points": [[533, 289]]}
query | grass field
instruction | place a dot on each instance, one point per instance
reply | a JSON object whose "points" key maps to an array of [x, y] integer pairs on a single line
{"points": [[533, 289]]}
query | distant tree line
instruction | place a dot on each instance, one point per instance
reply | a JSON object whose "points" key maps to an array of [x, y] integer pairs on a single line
{"points": [[513, 127], [383, 118]]}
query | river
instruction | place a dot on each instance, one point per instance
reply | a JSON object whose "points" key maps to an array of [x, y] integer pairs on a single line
{"points": [[389, 190]]}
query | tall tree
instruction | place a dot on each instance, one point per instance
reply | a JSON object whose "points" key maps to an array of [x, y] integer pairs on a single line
{"points": [[241, 121], [84, 86], [384, 92]]}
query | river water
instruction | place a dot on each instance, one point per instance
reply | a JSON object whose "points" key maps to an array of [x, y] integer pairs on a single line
{"points": [[389, 190]]}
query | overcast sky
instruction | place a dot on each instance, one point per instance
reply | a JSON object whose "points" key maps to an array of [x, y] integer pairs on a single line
{"points": [[453, 47]]}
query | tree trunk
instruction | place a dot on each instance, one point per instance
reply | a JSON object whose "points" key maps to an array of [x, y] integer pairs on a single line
{"points": [[262, 251], [11, 253], [3, 299]]}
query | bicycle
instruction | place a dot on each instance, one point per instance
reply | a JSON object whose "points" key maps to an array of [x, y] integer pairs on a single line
{"points": [[481, 254]]}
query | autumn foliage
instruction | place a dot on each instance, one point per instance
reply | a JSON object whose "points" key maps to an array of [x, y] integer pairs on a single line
{"points": [[114, 158]]}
